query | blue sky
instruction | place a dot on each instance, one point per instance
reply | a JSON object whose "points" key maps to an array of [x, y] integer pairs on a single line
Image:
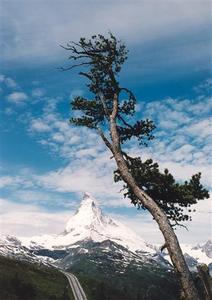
{"points": [[46, 164]]}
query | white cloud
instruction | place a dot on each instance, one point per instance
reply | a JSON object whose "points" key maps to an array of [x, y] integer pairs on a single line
{"points": [[204, 87], [88, 163], [9, 82], [143, 225], [58, 137], [27, 220], [15, 181], [182, 152], [184, 171], [16, 219], [93, 175], [202, 128], [183, 132], [48, 28], [9, 111], [38, 92], [17, 97], [89, 167], [22, 179], [39, 125], [199, 229], [6, 181]]}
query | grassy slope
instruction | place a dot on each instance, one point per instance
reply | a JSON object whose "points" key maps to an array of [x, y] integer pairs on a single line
{"points": [[26, 281]]}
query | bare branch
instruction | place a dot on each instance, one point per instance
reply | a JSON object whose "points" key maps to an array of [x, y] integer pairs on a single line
{"points": [[178, 224], [164, 246], [105, 140], [74, 57], [128, 91], [74, 66], [124, 122], [86, 75]]}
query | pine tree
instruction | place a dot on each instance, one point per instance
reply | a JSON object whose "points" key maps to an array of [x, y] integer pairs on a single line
{"points": [[111, 113]]}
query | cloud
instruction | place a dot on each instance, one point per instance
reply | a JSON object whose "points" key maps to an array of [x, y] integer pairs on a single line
{"points": [[183, 171], [39, 125], [9, 111], [204, 87], [17, 97], [27, 220], [7, 181], [38, 92], [44, 198], [82, 177], [34, 31], [15, 181], [66, 140], [199, 229], [15, 219], [88, 162], [201, 128], [180, 146], [183, 128], [58, 137], [22, 179], [8, 82]]}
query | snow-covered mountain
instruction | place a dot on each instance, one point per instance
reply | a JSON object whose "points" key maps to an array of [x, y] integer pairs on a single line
{"points": [[89, 223], [200, 254], [12, 247], [88, 227]]}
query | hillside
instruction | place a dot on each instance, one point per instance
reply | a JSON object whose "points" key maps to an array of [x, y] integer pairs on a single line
{"points": [[26, 281], [107, 270]]}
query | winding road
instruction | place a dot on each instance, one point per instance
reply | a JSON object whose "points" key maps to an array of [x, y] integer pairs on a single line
{"points": [[78, 292]]}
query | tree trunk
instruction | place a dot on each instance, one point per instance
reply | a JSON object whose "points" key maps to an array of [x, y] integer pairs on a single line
{"points": [[185, 278]]}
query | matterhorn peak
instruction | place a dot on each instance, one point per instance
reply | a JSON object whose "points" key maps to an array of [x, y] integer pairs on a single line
{"points": [[88, 199], [87, 216], [87, 195], [89, 223]]}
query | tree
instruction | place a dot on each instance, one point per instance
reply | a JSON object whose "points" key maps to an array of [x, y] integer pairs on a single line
{"points": [[110, 113]]}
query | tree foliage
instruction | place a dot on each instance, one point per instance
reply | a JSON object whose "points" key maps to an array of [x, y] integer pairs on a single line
{"points": [[103, 57], [171, 196]]}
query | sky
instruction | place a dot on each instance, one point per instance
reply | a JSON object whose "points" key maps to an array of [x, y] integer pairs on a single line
{"points": [[46, 164]]}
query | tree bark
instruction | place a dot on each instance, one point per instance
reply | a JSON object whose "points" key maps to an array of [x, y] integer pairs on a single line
{"points": [[185, 278]]}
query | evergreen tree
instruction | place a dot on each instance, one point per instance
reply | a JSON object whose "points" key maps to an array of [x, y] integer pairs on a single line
{"points": [[111, 113]]}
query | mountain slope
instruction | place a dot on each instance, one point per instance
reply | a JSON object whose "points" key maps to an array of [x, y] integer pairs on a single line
{"points": [[29, 281], [116, 273]]}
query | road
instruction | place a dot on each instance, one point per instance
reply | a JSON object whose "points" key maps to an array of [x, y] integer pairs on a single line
{"points": [[75, 286]]}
